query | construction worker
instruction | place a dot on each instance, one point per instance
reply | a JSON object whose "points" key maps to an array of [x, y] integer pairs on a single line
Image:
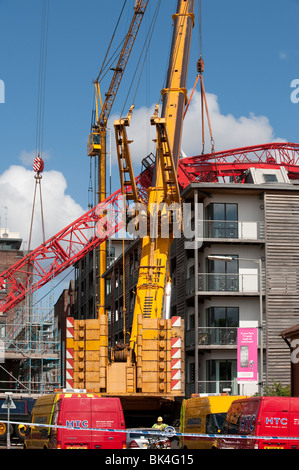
{"points": [[159, 424]]}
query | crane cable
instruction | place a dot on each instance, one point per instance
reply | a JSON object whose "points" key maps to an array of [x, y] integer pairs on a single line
{"points": [[105, 67], [200, 69], [42, 78], [38, 164], [145, 48], [204, 103], [110, 44]]}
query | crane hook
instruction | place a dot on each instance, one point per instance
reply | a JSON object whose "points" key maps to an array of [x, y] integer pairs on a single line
{"points": [[200, 66]]}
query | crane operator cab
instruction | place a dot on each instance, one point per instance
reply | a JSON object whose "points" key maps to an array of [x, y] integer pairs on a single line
{"points": [[94, 144]]}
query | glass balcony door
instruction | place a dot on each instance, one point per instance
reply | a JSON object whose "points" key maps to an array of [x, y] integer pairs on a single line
{"points": [[222, 220], [223, 275], [222, 323], [222, 375]]}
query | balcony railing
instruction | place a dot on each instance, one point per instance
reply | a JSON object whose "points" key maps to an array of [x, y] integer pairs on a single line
{"points": [[250, 230], [245, 282], [217, 336], [214, 386], [213, 336]]}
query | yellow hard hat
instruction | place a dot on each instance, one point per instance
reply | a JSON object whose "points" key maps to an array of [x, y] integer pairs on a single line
{"points": [[160, 418]]}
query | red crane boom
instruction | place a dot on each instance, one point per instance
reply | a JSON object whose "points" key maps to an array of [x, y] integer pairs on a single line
{"points": [[91, 229]]}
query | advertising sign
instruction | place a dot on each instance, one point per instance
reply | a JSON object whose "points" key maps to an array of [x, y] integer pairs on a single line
{"points": [[247, 355]]}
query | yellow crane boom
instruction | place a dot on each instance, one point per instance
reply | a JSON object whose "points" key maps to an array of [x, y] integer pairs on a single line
{"points": [[153, 270], [145, 364], [144, 368]]}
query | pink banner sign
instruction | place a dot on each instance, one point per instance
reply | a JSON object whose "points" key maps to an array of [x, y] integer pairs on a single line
{"points": [[247, 365]]}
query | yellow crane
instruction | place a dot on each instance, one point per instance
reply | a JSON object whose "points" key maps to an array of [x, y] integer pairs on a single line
{"points": [[96, 146], [163, 195], [151, 365]]}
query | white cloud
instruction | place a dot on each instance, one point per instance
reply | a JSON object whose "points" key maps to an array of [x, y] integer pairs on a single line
{"points": [[17, 189], [228, 130], [140, 131], [26, 158], [17, 183]]}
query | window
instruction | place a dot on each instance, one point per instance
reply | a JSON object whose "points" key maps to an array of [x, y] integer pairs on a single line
{"points": [[191, 271], [223, 275], [222, 374], [222, 220], [231, 425], [223, 317], [222, 323], [110, 255], [270, 178], [214, 422], [108, 286]]}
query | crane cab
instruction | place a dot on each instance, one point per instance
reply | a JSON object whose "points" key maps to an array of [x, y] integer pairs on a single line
{"points": [[94, 144]]}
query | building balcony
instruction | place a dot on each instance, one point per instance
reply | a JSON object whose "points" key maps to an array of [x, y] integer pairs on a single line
{"points": [[233, 230], [230, 284], [213, 336], [214, 386]]}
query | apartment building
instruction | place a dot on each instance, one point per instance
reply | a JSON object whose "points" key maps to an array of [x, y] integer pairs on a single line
{"points": [[242, 274], [239, 269], [86, 278]]}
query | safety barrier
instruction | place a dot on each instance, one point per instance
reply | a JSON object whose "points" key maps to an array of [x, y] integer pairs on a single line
{"points": [[169, 434]]}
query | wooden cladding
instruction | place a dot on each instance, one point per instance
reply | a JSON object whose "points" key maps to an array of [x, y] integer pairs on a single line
{"points": [[282, 267]]}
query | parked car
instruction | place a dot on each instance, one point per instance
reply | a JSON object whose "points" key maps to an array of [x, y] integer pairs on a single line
{"points": [[137, 440]]}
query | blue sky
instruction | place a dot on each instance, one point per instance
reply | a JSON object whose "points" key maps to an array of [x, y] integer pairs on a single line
{"points": [[251, 54]]}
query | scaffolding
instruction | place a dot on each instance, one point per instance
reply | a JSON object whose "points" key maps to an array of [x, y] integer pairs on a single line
{"points": [[30, 350]]}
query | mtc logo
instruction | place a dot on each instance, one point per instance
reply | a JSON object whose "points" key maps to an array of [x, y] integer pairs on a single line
{"points": [[277, 421], [2, 92], [76, 423]]}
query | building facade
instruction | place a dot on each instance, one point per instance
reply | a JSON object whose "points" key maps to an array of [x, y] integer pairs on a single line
{"points": [[86, 278], [236, 268], [242, 274]]}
